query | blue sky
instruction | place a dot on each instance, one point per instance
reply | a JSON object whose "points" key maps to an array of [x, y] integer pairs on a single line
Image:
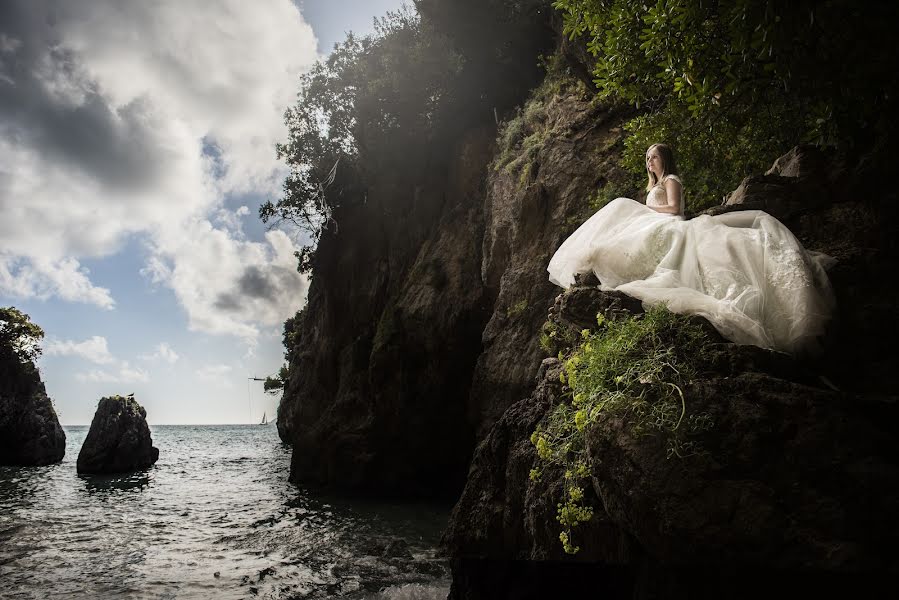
{"points": [[137, 144]]}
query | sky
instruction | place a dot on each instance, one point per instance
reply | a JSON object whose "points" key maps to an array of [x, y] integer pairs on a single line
{"points": [[136, 145]]}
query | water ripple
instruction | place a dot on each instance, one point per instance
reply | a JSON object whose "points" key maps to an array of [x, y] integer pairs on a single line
{"points": [[215, 517]]}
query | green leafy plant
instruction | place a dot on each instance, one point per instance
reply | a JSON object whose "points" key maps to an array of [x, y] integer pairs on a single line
{"points": [[557, 340], [732, 84], [19, 337], [635, 369]]}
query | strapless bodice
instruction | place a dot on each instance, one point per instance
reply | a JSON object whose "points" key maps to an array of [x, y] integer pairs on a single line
{"points": [[658, 196]]}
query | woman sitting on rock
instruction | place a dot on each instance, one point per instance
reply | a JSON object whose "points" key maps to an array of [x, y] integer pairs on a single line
{"points": [[744, 271]]}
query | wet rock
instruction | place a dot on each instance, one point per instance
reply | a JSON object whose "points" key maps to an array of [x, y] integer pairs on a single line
{"points": [[30, 431], [119, 438], [397, 548], [791, 477]]}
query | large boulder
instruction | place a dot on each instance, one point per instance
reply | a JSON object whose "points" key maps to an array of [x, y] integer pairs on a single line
{"points": [[30, 433], [119, 438]]}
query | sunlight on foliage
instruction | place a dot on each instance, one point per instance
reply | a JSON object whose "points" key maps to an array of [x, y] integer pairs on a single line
{"points": [[19, 337], [363, 108]]}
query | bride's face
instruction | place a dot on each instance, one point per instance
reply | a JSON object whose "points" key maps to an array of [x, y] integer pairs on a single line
{"points": [[654, 162]]}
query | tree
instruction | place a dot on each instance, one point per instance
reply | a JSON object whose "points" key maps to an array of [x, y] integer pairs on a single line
{"points": [[733, 83], [365, 108], [275, 383], [19, 337]]}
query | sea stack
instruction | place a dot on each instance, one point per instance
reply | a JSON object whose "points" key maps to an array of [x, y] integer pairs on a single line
{"points": [[30, 433], [119, 438]]}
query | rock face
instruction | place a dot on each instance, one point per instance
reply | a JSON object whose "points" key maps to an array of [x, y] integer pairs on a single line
{"points": [[119, 439], [421, 337], [377, 397], [800, 482], [419, 332], [30, 433]]}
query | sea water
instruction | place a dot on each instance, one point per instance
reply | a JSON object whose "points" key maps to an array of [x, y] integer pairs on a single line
{"points": [[215, 517]]}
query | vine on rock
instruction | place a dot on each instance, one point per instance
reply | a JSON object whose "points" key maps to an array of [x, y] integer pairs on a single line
{"points": [[633, 369]]}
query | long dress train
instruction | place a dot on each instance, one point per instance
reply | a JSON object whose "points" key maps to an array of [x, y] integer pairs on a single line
{"points": [[744, 271]]}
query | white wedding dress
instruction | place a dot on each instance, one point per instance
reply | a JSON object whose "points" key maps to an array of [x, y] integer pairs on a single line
{"points": [[744, 271]]}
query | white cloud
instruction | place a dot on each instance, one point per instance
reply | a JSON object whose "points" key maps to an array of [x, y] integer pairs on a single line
{"points": [[124, 374], [96, 350], [141, 118], [217, 374], [228, 285], [163, 352], [42, 278], [93, 349]]}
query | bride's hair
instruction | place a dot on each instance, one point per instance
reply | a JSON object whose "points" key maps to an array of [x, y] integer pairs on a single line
{"points": [[669, 167]]}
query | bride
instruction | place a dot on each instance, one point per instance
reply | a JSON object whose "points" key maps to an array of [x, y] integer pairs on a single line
{"points": [[744, 271]]}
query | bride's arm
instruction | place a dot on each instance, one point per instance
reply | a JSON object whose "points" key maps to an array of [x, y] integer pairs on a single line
{"points": [[673, 193]]}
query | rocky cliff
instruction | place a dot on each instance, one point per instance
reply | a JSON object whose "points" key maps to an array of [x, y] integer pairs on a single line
{"points": [[384, 351], [798, 480], [30, 433], [420, 331], [421, 338]]}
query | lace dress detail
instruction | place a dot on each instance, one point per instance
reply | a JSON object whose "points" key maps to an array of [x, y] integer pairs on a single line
{"points": [[744, 271], [658, 195]]}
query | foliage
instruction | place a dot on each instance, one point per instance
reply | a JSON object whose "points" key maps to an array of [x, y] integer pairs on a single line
{"points": [[521, 136], [712, 159], [554, 339], [290, 338], [275, 383], [633, 369], [19, 337], [734, 82], [363, 109], [517, 308]]}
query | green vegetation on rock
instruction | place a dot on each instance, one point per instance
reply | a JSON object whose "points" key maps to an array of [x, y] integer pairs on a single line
{"points": [[526, 131], [275, 383], [633, 369], [732, 84], [30, 433]]}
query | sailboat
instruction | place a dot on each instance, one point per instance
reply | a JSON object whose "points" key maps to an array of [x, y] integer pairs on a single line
{"points": [[264, 422]]}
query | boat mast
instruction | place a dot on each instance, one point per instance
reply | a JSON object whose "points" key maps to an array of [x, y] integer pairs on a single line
{"points": [[249, 402]]}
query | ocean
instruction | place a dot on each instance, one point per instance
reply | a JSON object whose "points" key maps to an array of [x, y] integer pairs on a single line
{"points": [[214, 518]]}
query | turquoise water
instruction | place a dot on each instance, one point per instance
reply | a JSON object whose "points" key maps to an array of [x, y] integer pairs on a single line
{"points": [[214, 518]]}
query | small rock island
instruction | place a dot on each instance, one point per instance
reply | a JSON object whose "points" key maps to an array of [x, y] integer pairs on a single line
{"points": [[119, 439], [30, 433]]}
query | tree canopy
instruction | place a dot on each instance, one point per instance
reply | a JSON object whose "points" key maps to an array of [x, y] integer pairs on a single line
{"points": [[19, 337], [381, 103], [275, 383], [364, 108], [731, 84]]}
